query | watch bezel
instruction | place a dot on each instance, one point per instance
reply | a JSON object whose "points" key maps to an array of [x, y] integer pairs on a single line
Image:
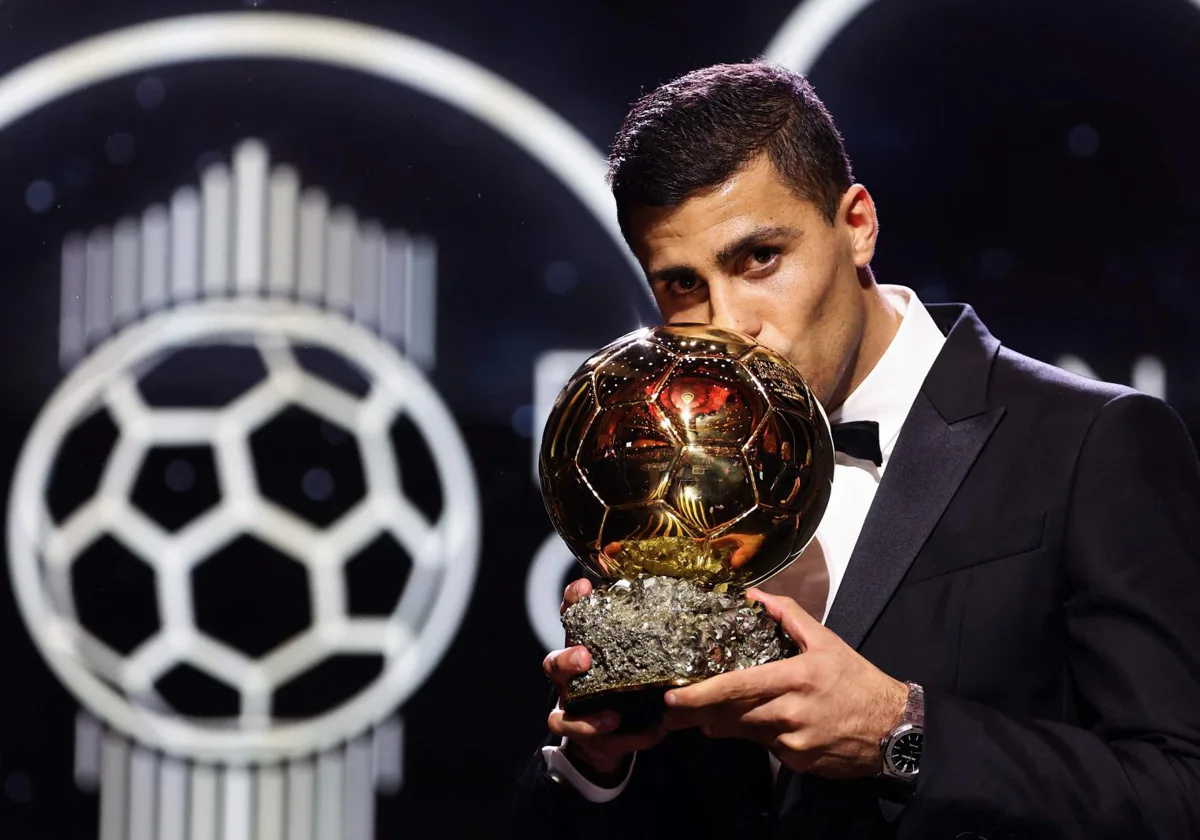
{"points": [[889, 766]]}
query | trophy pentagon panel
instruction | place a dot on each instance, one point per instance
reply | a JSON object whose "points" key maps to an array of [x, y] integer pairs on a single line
{"points": [[572, 412], [578, 513], [713, 401], [710, 487], [787, 389], [627, 453], [632, 373]]}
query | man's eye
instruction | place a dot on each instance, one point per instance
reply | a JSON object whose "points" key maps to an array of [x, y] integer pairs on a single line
{"points": [[762, 256], [685, 285]]}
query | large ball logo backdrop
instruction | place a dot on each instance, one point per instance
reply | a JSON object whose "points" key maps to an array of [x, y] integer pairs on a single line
{"points": [[232, 746], [121, 688]]}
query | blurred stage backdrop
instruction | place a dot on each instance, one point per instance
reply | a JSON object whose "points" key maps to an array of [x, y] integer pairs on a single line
{"points": [[288, 287]]}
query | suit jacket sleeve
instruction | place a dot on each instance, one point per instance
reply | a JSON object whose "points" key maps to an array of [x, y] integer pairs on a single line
{"points": [[1129, 766]]}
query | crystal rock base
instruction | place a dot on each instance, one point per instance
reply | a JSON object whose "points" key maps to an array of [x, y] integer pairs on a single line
{"points": [[657, 632]]}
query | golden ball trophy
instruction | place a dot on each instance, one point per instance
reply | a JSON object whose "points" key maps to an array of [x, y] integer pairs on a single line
{"points": [[681, 464]]}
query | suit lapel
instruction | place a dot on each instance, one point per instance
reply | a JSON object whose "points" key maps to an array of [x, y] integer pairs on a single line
{"points": [[947, 427], [930, 461]]}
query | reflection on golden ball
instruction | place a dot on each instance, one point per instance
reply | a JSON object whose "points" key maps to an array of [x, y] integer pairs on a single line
{"points": [[689, 451]]}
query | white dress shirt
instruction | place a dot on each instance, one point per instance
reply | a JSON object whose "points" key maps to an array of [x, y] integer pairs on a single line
{"points": [[885, 396]]}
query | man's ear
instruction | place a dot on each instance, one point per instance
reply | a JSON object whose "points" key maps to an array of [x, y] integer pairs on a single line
{"points": [[857, 212]]}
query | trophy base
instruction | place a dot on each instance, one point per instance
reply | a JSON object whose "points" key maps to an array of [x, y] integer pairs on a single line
{"points": [[655, 633]]}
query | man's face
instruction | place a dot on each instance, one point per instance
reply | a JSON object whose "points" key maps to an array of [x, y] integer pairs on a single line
{"points": [[751, 256]]}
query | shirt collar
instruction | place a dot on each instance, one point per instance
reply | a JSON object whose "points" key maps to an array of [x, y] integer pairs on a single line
{"points": [[889, 390]]}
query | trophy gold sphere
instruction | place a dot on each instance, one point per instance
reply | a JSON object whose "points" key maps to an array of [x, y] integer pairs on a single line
{"points": [[686, 451]]}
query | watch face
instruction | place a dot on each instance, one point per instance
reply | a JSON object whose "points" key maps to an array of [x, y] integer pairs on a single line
{"points": [[905, 754]]}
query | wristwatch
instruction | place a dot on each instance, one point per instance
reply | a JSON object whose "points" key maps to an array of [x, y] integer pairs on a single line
{"points": [[902, 746]]}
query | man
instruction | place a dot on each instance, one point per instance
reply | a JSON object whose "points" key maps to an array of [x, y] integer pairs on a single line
{"points": [[1018, 553]]}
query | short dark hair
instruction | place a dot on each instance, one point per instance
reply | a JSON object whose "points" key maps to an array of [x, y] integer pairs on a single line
{"points": [[697, 131]]}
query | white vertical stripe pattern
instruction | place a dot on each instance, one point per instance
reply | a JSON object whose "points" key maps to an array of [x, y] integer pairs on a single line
{"points": [[339, 267], [314, 213], [237, 804], [396, 267], [388, 765], [250, 216], [421, 309], [88, 735], [360, 793], [218, 211], [143, 791], [126, 285], [98, 298], [368, 270], [270, 804], [204, 803], [72, 339], [331, 781], [174, 778], [301, 802], [185, 244], [284, 219], [155, 245], [114, 792]]}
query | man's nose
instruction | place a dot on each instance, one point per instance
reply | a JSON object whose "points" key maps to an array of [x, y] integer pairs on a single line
{"points": [[728, 311]]}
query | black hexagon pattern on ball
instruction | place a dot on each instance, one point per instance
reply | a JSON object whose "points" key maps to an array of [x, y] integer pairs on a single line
{"points": [[332, 367], [251, 597], [375, 577], [115, 595], [292, 447], [330, 683], [177, 484], [418, 473], [192, 692], [204, 376], [79, 463]]}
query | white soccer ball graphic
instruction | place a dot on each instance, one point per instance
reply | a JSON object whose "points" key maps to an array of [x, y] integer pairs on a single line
{"points": [[245, 598]]}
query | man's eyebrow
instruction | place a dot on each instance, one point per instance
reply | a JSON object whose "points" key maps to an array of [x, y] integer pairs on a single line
{"points": [[753, 238]]}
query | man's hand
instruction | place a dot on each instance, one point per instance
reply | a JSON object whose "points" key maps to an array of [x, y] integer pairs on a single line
{"points": [[596, 750], [824, 711]]}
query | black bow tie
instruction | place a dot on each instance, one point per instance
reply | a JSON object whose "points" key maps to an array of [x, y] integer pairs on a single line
{"points": [[859, 439]]}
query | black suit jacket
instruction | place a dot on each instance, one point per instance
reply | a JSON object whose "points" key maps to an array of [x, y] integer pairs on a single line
{"points": [[1032, 557]]}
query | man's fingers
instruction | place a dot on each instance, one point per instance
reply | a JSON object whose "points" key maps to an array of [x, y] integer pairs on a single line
{"points": [[582, 726], [801, 626], [752, 684], [596, 733], [561, 665], [575, 590]]}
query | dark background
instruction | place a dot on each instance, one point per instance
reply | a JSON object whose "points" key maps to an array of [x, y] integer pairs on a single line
{"points": [[1036, 158]]}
